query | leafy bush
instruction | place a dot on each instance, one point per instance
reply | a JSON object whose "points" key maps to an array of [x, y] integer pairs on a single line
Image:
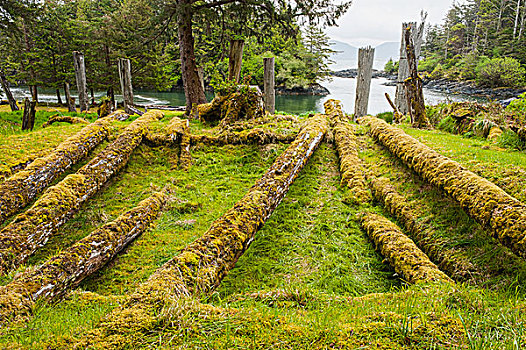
{"points": [[501, 72], [390, 66], [509, 139], [518, 105], [448, 124], [428, 64], [438, 72], [387, 116]]}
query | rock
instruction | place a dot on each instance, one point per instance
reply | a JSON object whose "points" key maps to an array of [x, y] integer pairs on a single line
{"points": [[314, 89]]}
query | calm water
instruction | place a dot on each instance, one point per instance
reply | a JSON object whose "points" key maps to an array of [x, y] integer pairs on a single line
{"points": [[342, 89]]}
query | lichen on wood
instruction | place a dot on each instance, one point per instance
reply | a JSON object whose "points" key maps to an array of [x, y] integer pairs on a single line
{"points": [[20, 189], [400, 251], [484, 201], [200, 267], [351, 167], [67, 269], [57, 118], [32, 229]]}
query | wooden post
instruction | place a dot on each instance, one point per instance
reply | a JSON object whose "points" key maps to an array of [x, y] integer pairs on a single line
{"points": [[7, 90], [124, 66], [80, 74], [403, 70], [414, 87], [235, 59], [269, 85], [28, 118], [69, 99], [363, 81]]}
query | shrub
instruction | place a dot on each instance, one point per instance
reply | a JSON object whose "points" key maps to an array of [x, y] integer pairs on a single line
{"points": [[391, 67], [509, 139], [448, 124], [501, 72], [518, 105], [438, 72], [387, 116]]}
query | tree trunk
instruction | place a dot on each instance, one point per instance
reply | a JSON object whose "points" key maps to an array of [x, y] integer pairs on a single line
{"points": [[34, 93], [8, 93], [29, 48], [92, 96], [195, 95], [59, 98], [235, 60], [363, 81], [517, 12], [69, 100], [28, 118], [269, 85], [414, 87], [201, 74], [111, 94], [125, 77], [80, 74]]}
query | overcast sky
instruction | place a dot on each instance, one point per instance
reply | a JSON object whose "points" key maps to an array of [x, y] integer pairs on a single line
{"points": [[372, 22]]}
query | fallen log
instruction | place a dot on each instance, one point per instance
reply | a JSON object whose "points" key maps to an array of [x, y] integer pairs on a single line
{"points": [[201, 266], [176, 133], [400, 251], [56, 118], [485, 202], [32, 229], [257, 136], [451, 261], [67, 269], [20, 189]]}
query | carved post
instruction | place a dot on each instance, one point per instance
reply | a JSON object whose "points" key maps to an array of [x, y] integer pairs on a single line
{"points": [[235, 59], [269, 85], [126, 84], [69, 99], [7, 90], [363, 81], [80, 74]]}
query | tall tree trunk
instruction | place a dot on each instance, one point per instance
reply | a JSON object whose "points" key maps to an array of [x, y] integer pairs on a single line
{"points": [[92, 96], [523, 19], [34, 93], [7, 90], [126, 84], [110, 91], [517, 12], [194, 93], [59, 99], [414, 86], [32, 75], [235, 60]]}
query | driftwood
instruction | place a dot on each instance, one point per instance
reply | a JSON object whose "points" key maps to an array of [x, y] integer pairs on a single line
{"points": [[67, 269], [57, 118], [28, 118], [32, 229], [201, 266]]}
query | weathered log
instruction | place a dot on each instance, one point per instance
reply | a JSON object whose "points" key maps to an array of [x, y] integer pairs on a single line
{"points": [[67, 269], [20, 189], [449, 260], [414, 87], [485, 202], [269, 85], [80, 75], [8, 93], [201, 266], [246, 103], [125, 77], [363, 81], [400, 251], [257, 136], [57, 118], [351, 168], [28, 118], [69, 99], [235, 60], [32, 229], [133, 110]]}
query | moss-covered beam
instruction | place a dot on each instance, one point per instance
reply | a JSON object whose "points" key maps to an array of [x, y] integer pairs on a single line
{"points": [[400, 251], [201, 266], [20, 189], [68, 268], [57, 118], [451, 261], [32, 229], [485, 202], [351, 167]]}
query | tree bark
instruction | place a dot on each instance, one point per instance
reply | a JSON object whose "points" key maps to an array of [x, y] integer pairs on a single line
{"points": [[69, 100], [363, 81], [28, 118], [195, 95], [126, 84], [59, 98], [235, 60], [80, 74], [414, 87], [8, 93], [269, 85], [92, 96]]}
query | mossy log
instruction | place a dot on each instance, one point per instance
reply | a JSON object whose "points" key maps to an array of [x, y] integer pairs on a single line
{"points": [[485, 202], [57, 118], [201, 266], [257, 136], [176, 133], [67, 269], [32, 229], [449, 260], [20, 189], [400, 251], [351, 167]]}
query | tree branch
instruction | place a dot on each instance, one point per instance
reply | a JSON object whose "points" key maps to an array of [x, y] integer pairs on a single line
{"points": [[214, 4]]}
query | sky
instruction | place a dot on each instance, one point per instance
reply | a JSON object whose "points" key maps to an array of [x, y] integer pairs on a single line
{"points": [[372, 22]]}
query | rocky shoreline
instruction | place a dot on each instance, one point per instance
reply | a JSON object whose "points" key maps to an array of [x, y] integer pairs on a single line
{"points": [[314, 89]]}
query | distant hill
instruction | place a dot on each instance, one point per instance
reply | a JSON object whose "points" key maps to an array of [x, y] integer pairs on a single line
{"points": [[347, 55], [344, 51], [388, 50]]}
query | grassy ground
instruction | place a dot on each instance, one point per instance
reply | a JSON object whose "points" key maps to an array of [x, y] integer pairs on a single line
{"points": [[311, 279]]}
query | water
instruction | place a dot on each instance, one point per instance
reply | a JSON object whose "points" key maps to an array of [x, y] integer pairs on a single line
{"points": [[342, 89]]}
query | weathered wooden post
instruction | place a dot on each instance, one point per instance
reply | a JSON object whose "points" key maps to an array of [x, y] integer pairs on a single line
{"points": [[69, 99], [269, 85], [124, 66], [363, 81], [80, 74], [28, 118], [235, 59], [414, 87], [7, 90], [403, 70]]}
